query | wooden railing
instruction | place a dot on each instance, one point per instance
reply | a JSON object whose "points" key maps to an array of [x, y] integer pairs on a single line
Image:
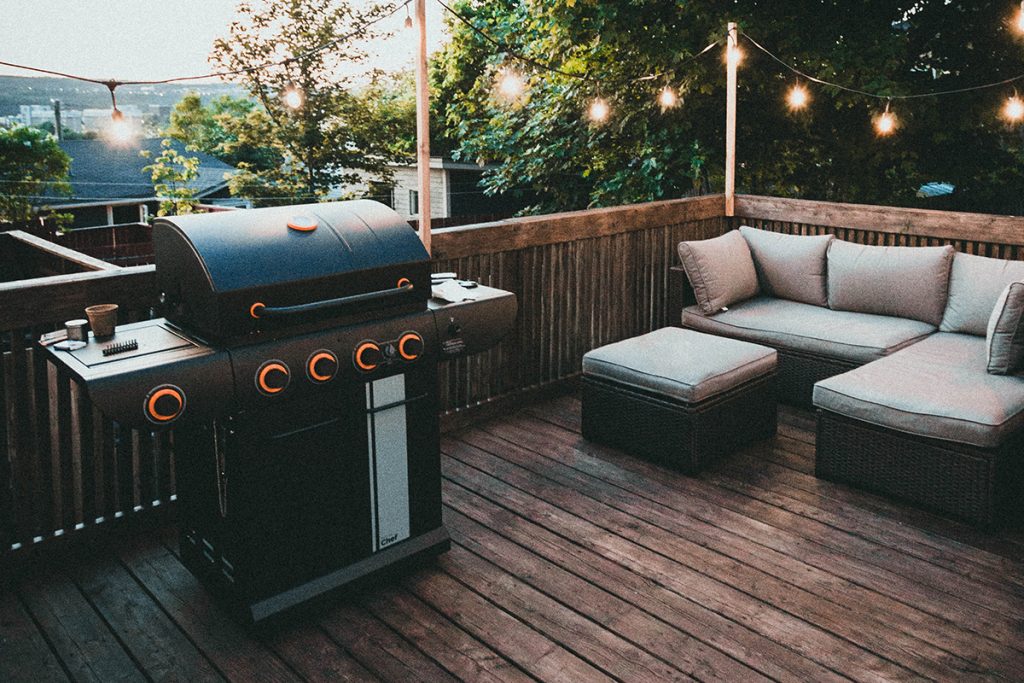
{"points": [[583, 279]]}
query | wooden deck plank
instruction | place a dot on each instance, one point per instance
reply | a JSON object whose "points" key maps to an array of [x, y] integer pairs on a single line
{"points": [[587, 638], [749, 544], [232, 650], [791, 631], [702, 630], [529, 649], [644, 479], [573, 561], [24, 654], [84, 643], [378, 648], [457, 651], [154, 642], [647, 527]]}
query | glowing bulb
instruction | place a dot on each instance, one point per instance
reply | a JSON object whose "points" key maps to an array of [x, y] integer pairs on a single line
{"points": [[1020, 18], [511, 85], [733, 55], [798, 97], [599, 110], [1013, 110], [120, 130], [668, 98], [293, 98], [885, 123]]}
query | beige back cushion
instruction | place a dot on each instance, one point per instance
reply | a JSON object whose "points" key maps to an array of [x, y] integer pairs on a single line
{"points": [[1004, 336], [975, 283], [906, 282], [790, 266], [720, 270]]}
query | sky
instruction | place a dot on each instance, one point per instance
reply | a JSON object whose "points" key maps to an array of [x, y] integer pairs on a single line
{"points": [[152, 39]]}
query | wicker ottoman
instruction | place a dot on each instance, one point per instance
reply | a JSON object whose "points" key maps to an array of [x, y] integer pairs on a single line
{"points": [[679, 397]]}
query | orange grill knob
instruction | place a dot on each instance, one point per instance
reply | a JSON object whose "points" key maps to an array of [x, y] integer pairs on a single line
{"points": [[164, 403], [273, 377], [403, 282], [321, 366], [367, 356], [410, 345]]}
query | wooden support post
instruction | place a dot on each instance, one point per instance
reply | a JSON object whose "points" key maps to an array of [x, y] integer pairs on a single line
{"points": [[423, 123], [731, 61]]}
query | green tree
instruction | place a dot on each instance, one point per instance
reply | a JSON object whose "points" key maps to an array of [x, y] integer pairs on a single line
{"points": [[235, 130], [33, 168], [68, 134], [319, 147], [172, 174], [828, 151]]}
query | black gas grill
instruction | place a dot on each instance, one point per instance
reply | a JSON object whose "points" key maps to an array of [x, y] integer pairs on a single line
{"points": [[297, 364]]}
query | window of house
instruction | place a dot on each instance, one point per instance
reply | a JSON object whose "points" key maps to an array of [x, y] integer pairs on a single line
{"points": [[414, 202]]}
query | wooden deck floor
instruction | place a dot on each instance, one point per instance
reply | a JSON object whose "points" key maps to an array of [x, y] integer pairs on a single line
{"points": [[575, 562]]}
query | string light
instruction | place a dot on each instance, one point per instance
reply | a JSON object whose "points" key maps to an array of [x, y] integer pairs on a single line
{"points": [[733, 55], [408, 17], [511, 85], [293, 97], [1013, 110], [798, 97], [885, 123], [1020, 18], [599, 110], [667, 98]]}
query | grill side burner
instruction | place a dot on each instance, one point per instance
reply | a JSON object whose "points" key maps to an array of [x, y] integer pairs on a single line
{"points": [[298, 366]]}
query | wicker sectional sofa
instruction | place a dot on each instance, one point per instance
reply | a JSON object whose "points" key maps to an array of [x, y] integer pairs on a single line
{"points": [[908, 354]]}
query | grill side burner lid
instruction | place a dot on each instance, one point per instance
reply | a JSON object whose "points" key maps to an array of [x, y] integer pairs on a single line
{"points": [[230, 274]]}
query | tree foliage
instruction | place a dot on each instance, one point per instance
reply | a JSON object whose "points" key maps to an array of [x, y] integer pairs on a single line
{"points": [[32, 165], [172, 174], [318, 144], [829, 151], [235, 130]]}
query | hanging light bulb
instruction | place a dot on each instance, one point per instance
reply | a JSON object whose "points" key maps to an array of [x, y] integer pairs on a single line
{"points": [[408, 18], [798, 97], [667, 98], [885, 123], [599, 110], [1020, 18], [120, 130], [293, 97], [733, 55], [1013, 110], [510, 84]]}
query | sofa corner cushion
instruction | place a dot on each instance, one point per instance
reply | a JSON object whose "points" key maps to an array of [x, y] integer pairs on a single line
{"points": [[721, 270], [936, 388], [975, 283], [1004, 336], [906, 282], [790, 267]]}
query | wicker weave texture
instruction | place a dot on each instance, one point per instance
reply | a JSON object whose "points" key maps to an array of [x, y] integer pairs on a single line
{"points": [[955, 479], [685, 437]]}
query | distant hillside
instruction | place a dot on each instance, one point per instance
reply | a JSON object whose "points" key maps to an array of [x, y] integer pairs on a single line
{"points": [[17, 90]]}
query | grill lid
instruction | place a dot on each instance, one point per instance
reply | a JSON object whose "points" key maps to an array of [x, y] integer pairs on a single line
{"points": [[233, 273]]}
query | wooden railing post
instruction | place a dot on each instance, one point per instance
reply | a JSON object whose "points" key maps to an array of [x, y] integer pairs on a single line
{"points": [[732, 58]]}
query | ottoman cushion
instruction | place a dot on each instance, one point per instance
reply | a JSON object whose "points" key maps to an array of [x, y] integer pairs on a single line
{"points": [[684, 365]]}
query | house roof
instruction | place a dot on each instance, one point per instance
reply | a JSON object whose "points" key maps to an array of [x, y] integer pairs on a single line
{"points": [[102, 172]]}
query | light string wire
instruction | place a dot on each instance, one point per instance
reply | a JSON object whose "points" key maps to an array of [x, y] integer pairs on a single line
{"points": [[865, 93], [115, 83]]}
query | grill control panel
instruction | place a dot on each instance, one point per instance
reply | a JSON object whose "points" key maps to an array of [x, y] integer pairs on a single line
{"points": [[370, 355], [273, 377]]}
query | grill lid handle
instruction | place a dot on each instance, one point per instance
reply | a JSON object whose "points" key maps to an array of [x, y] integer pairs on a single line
{"points": [[260, 310]]}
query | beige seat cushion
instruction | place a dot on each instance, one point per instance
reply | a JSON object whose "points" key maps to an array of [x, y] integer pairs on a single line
{"points": [[853, 337], [937, 388], [682, 364]]}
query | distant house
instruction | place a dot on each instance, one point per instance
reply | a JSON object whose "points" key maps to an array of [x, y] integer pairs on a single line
{"points": [[455, 191], [108, 185]]}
